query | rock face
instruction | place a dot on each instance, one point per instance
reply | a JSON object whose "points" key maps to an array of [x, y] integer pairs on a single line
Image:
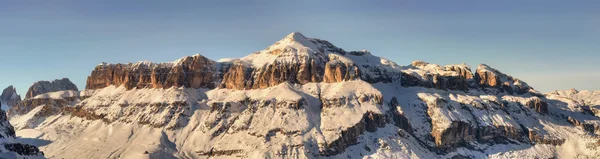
{"points": [[42, 87], [238, 77], [538, 105], [244, 77], [10, 96], [276, 73], [450, 77], [488, 77], [192, 71], [10, 148], [460, 77], [338, 72]]}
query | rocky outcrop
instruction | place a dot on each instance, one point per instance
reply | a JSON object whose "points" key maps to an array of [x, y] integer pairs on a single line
{"points": [[370, 122], [498, 134], [244, 77], [336, 71], [192, 72], [461, 119], [238, 77], [457, 133], [538, 105], [344, 101], [450, 77], [450, 126], [488, 77], [51, 106], [536, 138], [11, 148], [10, 96], [397, 115], [591, 128], [6, 130], [460, 77], [42, 87], [23, 149], [279, 72], [464, 71]]}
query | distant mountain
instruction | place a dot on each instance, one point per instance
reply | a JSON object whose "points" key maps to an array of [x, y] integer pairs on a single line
{"points": [[42, 87], [9, 97], [306, 98]]}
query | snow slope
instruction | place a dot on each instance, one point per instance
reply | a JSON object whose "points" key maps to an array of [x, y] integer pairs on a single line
{"points": [[270, 124]]}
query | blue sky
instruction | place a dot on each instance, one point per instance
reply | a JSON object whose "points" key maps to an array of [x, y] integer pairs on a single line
{"points": [[549, 44]]}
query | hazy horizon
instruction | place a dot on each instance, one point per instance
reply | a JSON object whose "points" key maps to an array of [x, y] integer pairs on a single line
{"points": [[549, 45]]}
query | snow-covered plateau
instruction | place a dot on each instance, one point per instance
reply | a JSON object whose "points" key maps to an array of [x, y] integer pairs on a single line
{"points": [[304, 98]]}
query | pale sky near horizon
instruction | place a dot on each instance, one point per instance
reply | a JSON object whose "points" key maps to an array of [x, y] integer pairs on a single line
{"points": [[550, 44]]}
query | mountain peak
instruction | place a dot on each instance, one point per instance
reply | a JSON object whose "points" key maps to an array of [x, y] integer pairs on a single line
{"points": [[294, 40], [295, 36], [290, 48], [41, 87], [10, 96]]}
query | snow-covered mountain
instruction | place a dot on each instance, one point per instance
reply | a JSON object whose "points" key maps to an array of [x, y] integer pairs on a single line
{"points": [[9, 97], [306, 98], [42, 87]]}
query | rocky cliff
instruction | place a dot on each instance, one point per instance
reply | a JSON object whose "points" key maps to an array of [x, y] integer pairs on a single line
{"points": [[488, 77], [450, 77], [192, 72], [42, 87], [9, 96]]}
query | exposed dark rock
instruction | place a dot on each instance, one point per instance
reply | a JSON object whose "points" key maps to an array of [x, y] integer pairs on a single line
{"points": [[7, 131], [460, 157], [456, 77], [238, 77], [535, 138], [191, 71], [370, 122], [10, 96], [341, 101], [538, 105], [498, 134], [458, 133], [42, 87], [398, 116], [338, 72], [24, 149], [214, 152], [591, 128], [488, 77]]}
